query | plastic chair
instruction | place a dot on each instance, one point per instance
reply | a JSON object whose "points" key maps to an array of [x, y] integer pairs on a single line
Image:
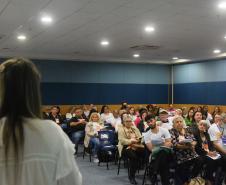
{"points": [[107, 146]]}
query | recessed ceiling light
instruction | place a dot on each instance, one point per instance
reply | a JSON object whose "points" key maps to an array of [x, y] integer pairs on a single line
{"points": [[46, 19], [149, 29], [216, 51], [225, 37], [21, 37], [104, 43], [175, 58], [136, 55], [222, 5]]}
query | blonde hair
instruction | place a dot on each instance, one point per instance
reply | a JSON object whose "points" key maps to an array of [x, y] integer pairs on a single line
{"points": [[203, 122], [178, 118], [93, 114]]}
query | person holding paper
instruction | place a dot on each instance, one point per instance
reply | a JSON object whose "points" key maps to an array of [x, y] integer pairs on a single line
{"points": [[188, 161], [130, 145], [158, 141], [217, 135], [91, 134], [206, 150]]}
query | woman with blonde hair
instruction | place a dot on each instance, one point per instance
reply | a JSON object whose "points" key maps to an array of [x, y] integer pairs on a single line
{"points": [[32, 150], [91, 133], [184, 148]]}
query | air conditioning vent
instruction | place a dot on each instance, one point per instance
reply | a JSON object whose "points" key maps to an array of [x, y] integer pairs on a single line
{"points": [[5, 49], [145, 47]]}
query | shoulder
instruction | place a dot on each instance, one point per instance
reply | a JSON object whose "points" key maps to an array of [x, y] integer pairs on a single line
{"points": [[213, 128], [135, 128], [45, 129], [161, 129]]}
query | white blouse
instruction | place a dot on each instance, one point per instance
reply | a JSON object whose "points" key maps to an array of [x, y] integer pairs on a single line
{"points": [[47, 159]]}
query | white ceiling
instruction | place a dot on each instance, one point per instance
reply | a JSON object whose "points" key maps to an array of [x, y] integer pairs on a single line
{"points": [[188, 29]]}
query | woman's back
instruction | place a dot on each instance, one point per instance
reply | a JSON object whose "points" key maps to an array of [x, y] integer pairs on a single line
{"points": [[47, 156]]}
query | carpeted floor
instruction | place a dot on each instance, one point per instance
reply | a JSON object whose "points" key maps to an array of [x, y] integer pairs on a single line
{"points": [[99, 175]]}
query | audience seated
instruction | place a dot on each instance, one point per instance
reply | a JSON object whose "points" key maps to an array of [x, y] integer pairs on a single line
{"points": [[188, 162], [217, 136], [132, 113], [91, 134], [206, 114], [105, 114], [116, 120], [188, 118], [197, 116], [77, 125], [130, 145], [142, 125], [164, 121], [171, 110], [206, 151], [86, 110], [158, 141], [217, 110], [192, 147], [55, 116]]}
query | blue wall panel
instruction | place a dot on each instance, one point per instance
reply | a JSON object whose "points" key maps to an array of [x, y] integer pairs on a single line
{"points": [[200, 83], [97, 93], [212, 93], [74, 82], [94, 72], [210, 71]]}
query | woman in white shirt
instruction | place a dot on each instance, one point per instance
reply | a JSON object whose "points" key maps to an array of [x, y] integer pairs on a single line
{"points": [[105, 114], [32, 151], [91, 136]]}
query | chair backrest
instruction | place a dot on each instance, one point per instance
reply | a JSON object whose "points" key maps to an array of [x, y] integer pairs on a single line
{"points": [[106, 137], [108, 126]]}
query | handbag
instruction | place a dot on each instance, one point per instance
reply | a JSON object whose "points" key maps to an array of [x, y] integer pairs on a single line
{"points": [[197, 181]]}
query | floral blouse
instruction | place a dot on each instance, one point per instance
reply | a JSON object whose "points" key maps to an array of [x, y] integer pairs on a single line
{"points": [[182, 155]]}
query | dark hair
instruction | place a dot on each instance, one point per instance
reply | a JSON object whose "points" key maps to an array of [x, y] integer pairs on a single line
{"points": [[20, 97], [191, 108], [58, 109], [92, 111], [122, 116], [193, 117], [124, 105], [149, 117], [102, 109]]}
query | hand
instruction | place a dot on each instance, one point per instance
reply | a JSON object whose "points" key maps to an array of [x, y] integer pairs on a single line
{"points": [[133, 141], [96, 134], [212, 154], [83, 121], [168, 144]]}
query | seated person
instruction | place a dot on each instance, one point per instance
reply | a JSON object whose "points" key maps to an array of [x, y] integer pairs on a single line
{"points": [[206, 151], [77, 124], [132, 113], [91, 134], [55, 116], [116, 120], [158, 141], [105, 114], [188, 162], [188, 118], [130, 145], [164, 121], [217, 134], [142, 125]]}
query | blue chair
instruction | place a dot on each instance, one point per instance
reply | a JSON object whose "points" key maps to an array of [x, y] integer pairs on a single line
{"points": [[107, 149]]}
